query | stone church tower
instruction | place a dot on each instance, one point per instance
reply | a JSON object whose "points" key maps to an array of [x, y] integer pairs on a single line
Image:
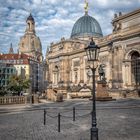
{"points": [[11, 51], [30, 44]]}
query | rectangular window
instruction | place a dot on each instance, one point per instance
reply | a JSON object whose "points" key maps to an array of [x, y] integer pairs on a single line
{"points": [[3, 82], [7, 70], [11, 70]]}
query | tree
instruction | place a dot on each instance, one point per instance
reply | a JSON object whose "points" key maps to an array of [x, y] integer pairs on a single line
{"points": [[18, 84], [3, 91]]}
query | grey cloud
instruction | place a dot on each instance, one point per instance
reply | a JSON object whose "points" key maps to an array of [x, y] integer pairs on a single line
{"points": [[55, 18]]}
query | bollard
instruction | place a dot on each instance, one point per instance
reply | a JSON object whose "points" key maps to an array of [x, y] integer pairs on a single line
{"points": [[59, 122], [44, 116], [73, 113]]}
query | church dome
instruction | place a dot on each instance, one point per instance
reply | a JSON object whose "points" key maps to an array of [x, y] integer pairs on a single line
{"points": [[86, 26], [30, 17]]}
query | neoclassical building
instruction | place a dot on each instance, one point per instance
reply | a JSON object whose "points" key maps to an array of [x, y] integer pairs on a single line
{"points": [[68, 70]]}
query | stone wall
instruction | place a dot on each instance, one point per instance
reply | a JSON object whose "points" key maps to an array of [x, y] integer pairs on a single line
{"points": [[13, 100]]}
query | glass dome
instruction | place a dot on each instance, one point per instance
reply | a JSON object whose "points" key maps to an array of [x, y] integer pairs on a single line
{"points": [[86, 26]]}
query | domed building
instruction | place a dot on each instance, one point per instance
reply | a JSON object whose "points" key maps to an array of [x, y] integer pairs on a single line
{"points": [[68, 71], [86, 27], [30, 44]]}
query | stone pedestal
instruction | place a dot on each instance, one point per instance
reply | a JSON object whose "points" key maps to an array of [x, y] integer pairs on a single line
{"points": [[102, 94]]}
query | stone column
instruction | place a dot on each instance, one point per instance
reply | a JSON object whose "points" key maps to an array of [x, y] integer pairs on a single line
{"points": [[125, 73], [117, 67], [81, 70], [114, 68], [120, 59], [129, 74], [62, 70]]}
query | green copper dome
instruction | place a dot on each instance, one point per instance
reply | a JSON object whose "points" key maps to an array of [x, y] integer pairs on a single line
{"points": [[86, 26]]}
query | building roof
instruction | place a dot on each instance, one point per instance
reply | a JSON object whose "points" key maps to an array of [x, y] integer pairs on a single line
{"points": [[30, 17], [13, 56], [15, 59], [86, 26]]}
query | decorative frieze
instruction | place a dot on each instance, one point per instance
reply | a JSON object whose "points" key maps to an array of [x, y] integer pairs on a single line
{"points": [[103, 59], [76, 46], [133, 44]]}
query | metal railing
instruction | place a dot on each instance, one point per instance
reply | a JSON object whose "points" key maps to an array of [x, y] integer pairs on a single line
{"points": [[59, 116]]}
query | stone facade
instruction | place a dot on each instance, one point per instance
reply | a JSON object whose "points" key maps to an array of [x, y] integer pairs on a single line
{"points": [[68, 66], [30, 45]]}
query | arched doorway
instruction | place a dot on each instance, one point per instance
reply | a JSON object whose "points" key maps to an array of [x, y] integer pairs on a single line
{"points": [[135, 68]]}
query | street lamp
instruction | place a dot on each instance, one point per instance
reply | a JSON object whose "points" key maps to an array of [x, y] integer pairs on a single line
{"points": [[92, 52]]}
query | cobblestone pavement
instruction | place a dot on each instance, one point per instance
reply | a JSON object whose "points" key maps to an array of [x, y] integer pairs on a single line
{"points": [[116, 120]]}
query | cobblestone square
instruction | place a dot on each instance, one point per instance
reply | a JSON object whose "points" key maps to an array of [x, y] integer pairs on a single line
{"points": [[116, 120]]}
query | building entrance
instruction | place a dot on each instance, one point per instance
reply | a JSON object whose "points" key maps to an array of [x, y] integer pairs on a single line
{"points": [[135, 68]]}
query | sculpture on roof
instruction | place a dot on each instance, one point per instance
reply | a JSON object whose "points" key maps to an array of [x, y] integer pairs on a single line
{"points": [[86, 7]]}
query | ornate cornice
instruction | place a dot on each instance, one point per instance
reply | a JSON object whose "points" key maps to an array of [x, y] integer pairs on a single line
{"points": [[66, 54], [119, 37], [133, 44], [70, 41], [126, 15]]}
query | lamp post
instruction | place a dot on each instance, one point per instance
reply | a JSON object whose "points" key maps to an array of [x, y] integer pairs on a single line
{"points": [[92, 52]]}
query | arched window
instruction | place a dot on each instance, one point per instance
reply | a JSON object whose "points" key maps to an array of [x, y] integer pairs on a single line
{"points": [[56, 74], [135, 68]]}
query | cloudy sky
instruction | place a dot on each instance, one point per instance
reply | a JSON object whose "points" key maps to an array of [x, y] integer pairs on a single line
{"points": [[54, 18]]}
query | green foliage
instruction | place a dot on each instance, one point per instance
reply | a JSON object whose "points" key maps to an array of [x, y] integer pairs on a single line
{"points": [[18, 84], [3, 91]]}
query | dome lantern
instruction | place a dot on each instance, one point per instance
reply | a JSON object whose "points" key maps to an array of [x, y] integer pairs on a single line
{"points": [[30, 18]]}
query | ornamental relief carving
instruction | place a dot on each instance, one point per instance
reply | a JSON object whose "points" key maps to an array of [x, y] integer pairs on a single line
{"points": [[55, 68], [136, 48], [133, 44], [103, 59], [132, 47], [76, 46], [76, 63], [116, 48], [72, 45], [61, 46], [110, 49], [129, 52]]}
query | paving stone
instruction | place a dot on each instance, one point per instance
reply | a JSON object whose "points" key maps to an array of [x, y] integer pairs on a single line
{"points": [[116, 120]]}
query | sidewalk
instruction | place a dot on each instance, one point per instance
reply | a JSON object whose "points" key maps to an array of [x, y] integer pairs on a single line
{"points": [[21, 107]]}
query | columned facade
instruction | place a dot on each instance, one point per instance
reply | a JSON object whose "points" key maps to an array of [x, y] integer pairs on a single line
{"points": [[119, 56]]}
